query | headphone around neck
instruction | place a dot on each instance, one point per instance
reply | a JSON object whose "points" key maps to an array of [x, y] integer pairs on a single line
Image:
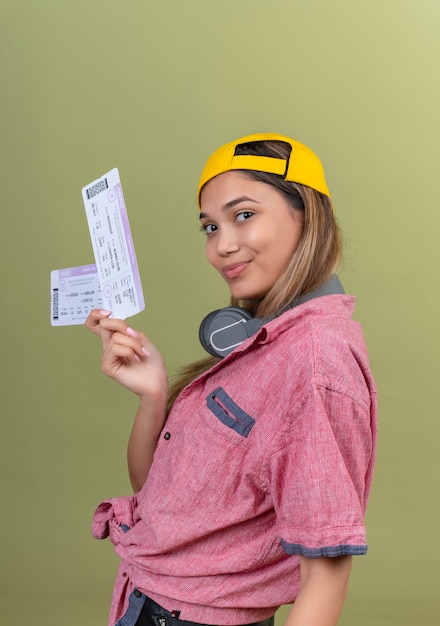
{"points": [[223, 330]]}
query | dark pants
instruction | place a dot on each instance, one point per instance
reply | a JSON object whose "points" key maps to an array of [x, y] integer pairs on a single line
{"points": [[144, 612]]}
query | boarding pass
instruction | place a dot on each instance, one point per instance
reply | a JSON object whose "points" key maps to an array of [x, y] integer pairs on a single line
{"points": [[119, 288], [75, 291]]}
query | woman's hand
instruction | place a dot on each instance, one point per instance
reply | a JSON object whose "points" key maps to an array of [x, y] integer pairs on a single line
{"points": [[129, 357]]}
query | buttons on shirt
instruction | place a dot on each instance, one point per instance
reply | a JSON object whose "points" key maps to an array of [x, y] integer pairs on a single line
{"points": [[137, 593], [167, 436]]}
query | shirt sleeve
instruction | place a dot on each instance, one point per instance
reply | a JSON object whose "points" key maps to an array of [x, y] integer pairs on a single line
{"points": [[320, 478]]}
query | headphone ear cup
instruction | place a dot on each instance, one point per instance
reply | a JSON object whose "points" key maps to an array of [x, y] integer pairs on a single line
{"points": [[227, 326], [204, 332]]}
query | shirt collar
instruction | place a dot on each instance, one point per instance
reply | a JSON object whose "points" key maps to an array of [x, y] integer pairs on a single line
{"points": [[339, 305]]}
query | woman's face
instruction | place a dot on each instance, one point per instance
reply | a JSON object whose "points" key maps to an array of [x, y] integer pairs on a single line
{"points": [[251, 232]]}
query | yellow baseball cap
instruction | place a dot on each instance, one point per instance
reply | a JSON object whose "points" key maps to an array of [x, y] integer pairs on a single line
{"points": [[302, 166]]}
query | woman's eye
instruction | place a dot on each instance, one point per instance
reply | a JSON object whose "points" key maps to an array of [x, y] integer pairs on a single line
{"points": [[208, 228], [244, 215]]}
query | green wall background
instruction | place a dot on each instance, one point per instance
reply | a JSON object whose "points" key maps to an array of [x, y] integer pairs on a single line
{"points": [[153, 88]]}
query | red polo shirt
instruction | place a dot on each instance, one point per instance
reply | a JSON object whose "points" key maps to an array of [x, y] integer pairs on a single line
{"points": [[267, 456]]}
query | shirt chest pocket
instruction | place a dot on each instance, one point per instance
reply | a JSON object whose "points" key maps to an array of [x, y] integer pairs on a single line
{"points": [[229, 413]]}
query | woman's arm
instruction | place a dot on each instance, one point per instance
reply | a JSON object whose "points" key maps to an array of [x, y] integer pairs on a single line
{"points": [[133, 361], [324, 583], [147, 425]]}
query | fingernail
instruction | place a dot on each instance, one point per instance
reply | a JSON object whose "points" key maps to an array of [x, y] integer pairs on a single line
{"points": [[104, 312], [137, 359], [145, 351], [131, 332]]}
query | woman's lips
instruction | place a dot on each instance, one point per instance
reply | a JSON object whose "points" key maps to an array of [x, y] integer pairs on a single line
{"points": [[233, 271]]}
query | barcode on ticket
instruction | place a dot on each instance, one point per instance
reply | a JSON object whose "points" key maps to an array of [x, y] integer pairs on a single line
{"points": [[55, 310], [96, 188]]}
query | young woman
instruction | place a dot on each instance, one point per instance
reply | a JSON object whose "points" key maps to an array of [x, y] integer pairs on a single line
{"points": [[252, 473]]}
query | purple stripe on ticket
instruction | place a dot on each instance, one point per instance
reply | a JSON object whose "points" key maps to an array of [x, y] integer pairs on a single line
{"points": [[82, 270]]}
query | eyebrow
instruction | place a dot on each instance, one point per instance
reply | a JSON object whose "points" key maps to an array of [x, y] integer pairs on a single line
{"points": [[231, 204]]}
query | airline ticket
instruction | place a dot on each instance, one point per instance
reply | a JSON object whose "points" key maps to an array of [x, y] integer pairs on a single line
{"points": [[113, 247], [114, 279], [75, 291]]}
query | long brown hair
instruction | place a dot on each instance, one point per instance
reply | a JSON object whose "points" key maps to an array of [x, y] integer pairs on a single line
{"points": [[315, 259]]}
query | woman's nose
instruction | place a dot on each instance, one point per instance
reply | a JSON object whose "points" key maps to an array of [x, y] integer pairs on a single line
{"points": [[227, 241]]}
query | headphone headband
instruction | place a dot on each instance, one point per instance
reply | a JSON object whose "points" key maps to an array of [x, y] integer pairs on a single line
{"points": [[225, 329]]}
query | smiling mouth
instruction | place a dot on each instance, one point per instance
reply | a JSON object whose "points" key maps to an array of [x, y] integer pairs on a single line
{"points": [[234, 271]]}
